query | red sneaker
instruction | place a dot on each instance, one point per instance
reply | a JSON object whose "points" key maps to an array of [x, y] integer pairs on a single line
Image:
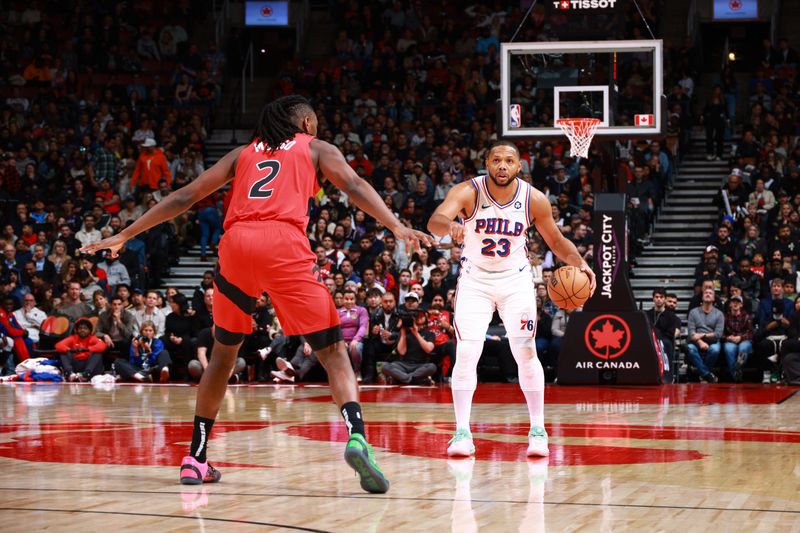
{"points": [[196, 473]]}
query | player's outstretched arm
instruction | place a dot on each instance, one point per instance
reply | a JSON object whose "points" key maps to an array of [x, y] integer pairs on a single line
{"points": [[460, 198], [564, 249], [174, 204], [335, 168]]}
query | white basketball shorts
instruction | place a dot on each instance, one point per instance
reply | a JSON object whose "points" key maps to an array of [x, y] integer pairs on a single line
{"points": [[479, 293]]}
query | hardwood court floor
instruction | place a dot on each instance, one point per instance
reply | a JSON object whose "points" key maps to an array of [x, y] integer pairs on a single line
{"points": [[674, 458]]}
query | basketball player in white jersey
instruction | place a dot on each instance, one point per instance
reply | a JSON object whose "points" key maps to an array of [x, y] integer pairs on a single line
{"points": [[497, 210]]}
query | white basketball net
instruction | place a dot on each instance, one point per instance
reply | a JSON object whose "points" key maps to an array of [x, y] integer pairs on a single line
{"points": [[580, 132]]}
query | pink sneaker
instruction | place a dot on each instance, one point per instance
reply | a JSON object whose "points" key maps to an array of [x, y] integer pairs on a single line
{"points": [[196, 473]]}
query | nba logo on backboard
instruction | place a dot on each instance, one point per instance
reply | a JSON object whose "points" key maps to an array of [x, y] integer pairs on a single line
{"points": [[643, 120], [514, 116]]}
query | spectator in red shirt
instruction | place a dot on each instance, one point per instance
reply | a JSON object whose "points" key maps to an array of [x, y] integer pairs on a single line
{"points": [[360, 160], [81, 353]]}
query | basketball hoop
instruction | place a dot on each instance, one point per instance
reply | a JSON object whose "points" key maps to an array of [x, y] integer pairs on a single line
{"points": [[580, 132]]}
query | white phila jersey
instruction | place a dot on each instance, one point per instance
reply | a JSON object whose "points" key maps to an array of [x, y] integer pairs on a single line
{"points": [[495, 236]]}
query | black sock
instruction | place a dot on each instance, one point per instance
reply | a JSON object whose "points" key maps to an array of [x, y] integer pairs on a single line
{"points": [[200, 435], [351, 411]]}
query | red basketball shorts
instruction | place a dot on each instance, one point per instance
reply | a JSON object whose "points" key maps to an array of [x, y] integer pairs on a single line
{"points": [[272, 257]]}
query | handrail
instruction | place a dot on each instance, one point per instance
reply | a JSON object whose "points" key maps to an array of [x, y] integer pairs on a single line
{"points": [[301, 18], [691, 21], [773, 28], [248, 62], [222, 14]]}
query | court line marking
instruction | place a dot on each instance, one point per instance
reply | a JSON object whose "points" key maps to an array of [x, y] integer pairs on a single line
{"points": [[788, 397], [408, 498], [203, 518]]}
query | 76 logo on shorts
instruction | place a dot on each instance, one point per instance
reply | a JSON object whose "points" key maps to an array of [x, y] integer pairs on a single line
{"points": [[526, 324]]}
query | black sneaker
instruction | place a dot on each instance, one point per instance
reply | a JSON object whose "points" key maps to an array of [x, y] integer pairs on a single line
{"points": [[710, 378]]}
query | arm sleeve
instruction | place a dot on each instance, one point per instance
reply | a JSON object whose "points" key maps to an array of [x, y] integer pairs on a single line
{"points": [[64, 345], [165, 169], [692, 323], [137, 171], [157, 347], [363, 325], [719, 325], [97, 346]]}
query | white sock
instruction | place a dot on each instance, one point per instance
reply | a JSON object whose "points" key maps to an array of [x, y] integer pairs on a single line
{"points": [[462, 404], [535, 400], [531, 377], [465, 379]]}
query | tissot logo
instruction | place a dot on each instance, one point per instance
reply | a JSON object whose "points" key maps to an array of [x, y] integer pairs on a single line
{"points": [[607, 337], [586, 4]]}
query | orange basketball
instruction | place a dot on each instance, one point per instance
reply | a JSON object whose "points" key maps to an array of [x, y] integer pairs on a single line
{"points": [[569, 287]]}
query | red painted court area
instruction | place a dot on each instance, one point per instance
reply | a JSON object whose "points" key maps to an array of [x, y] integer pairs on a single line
{"points": [[98, 440], [672, 394]]}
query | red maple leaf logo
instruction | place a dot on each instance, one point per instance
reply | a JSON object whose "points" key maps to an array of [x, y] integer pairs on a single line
{"points": [[607, 337], [735, 5]]}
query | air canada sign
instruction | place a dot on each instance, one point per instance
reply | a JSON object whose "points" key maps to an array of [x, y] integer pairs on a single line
{"points": [[607, 337]]}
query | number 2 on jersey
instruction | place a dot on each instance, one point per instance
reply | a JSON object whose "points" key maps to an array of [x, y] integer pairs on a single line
{"points": [[490, 244], [272, 168]]}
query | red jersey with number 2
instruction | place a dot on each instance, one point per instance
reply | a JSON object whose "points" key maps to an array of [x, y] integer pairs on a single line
{"points": [[274, 185]]}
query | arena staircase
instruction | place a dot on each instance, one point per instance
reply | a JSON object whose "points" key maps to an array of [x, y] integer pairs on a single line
{"points": [[681, 230], [186, 275]]}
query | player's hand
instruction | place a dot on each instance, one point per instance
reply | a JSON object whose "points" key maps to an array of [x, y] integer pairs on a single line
{"points": [[586, 269], [307, 349], [414, 239], [113, 244], [457, 232]]}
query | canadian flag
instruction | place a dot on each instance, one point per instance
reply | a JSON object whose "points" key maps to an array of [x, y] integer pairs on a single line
{"points": [[643, 120]]}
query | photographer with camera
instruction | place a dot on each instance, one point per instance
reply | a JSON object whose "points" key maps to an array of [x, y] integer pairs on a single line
{"points": [[81, 353], [414, 348], [440, 323], [774, 314], [383, 335], [147, 357]]}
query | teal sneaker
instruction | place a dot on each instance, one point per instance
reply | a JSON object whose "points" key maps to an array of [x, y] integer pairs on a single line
{"points": [[537, 442], [461, 444], [358, 454]]}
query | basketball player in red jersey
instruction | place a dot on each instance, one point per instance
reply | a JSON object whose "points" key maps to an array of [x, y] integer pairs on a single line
{"points": [[265, 248]]}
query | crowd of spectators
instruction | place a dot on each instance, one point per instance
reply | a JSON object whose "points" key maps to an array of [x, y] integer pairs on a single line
{"points": [[408, 96], [746, 283]]}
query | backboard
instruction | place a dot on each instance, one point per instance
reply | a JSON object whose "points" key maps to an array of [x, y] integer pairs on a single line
{"points": [[618, 82]]}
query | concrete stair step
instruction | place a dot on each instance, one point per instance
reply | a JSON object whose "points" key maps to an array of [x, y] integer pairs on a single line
{"points": [[677, 209], [686, 218], [192, 271], [680, 235], [666, 226], [666, 262], [700, 203], [695, 186], [647, 294], [649, 271], [662, 250], [701, 191]]}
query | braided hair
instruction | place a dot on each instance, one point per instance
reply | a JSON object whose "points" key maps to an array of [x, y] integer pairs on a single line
{"points": [[277, 123]]}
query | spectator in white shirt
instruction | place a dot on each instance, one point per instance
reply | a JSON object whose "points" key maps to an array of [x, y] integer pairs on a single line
{"points": [[30, 317], [88, 234], [152, 313]]}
